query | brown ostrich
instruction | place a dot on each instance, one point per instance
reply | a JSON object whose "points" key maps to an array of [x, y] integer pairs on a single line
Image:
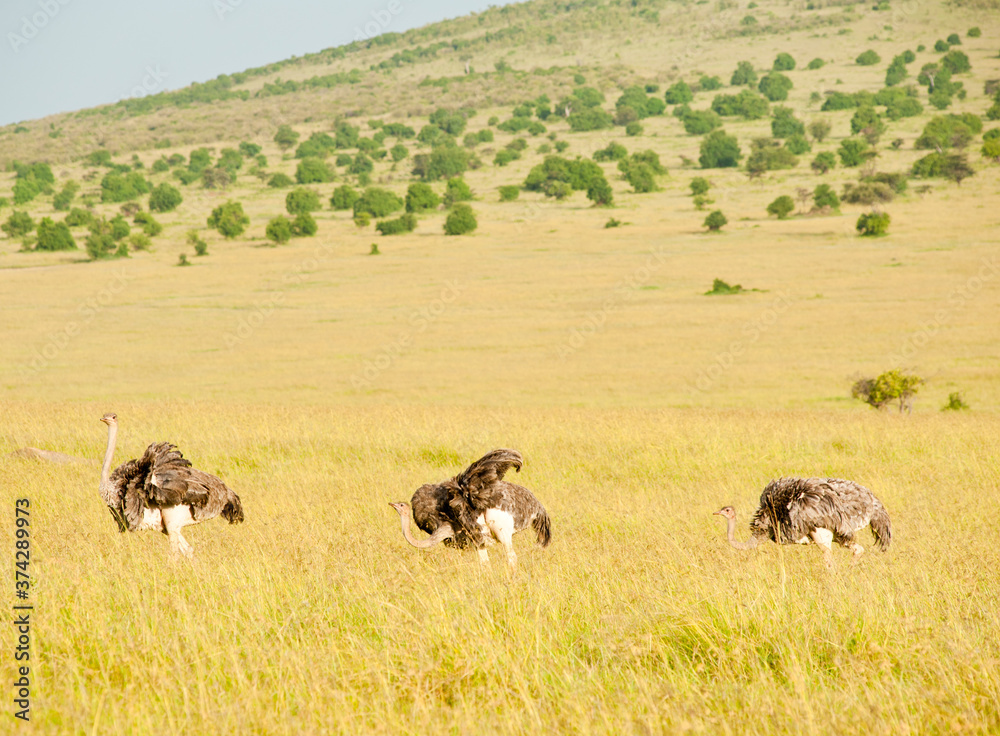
{"points": [[162, 491], [820, 510], [476, 507]]}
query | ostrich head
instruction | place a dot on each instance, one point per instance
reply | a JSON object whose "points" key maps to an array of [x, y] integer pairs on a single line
{"points": [[401, 508], [728, 511], [110, 418]]}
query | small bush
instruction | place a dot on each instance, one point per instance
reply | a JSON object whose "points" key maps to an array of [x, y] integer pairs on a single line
{"points": [[301, 200], [229, 219], [744, 74], [873, 223], [721, 288], [816, 63], [708, 84], [18, 225], [403, 224], [313, 170], [699, 185], [783, 63], [280, 181], [78, 217], [460, 220], [719, 151], [715, 221], [509, 192], [150, 226], [775, 86], [53, 236], [200, 246], [782, 207], [599, 192], [164, 198], [279, 229], [955, 402], [378, 202], [362, 219], [954, 40], [852, 151], [421, 198], [456, 191], [700, 122], [868, 58], [824, 196], [974, 32], [304, 225], [890, 386], [285, 137], [344, 197], [634, 128]]}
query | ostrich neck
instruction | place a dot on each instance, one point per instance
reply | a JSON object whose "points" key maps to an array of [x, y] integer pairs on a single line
{"points": [[105, 487], [731, 534], [440, 533]]}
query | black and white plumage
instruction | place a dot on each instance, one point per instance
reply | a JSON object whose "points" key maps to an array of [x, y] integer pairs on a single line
{"points": [[476, 507], [162, 491], [820, 510]]}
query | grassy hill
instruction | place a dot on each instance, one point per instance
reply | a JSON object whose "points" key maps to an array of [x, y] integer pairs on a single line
{"points": [[321, 380]]}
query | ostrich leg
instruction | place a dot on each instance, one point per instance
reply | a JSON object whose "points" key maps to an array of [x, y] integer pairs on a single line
{"points": [[823, 537], [501, 524]]}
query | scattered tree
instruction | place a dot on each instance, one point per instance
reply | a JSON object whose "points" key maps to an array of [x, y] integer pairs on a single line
{"points": [[894, 385], [781, 207], [54, 236], [872, 224], [719, 151], [715, 221], [460, 220], [301, 200], [229, 219], [279, 229]]}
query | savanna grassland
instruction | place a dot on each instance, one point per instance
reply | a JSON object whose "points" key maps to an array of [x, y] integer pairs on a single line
{"points": [[322, 382]]}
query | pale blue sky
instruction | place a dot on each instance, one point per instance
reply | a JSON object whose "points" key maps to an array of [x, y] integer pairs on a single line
{"points": [[62, 55]]}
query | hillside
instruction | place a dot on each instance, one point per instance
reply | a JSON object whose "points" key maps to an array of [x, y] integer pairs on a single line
{"points": [[635, 290]]}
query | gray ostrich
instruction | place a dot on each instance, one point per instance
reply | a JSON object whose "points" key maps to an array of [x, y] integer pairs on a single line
{"points": [[476, 507], [821, 510], [162, 491]]}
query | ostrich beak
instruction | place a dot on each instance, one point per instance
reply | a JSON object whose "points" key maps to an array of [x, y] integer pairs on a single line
{"points": [[718, 513]]}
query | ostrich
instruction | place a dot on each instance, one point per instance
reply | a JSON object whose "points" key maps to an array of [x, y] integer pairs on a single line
{"points": [[800, 510], [162, 491], [475, 507]]}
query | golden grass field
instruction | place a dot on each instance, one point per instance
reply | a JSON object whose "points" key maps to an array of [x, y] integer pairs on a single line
{"points": [[321, 383]]}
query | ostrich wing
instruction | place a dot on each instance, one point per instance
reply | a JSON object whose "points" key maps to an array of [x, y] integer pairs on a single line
{"points": [[478, 482], [173, 482]]}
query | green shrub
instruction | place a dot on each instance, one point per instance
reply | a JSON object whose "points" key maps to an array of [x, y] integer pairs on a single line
{"points": [[719, 151], [949, 131], [715, 221], [98, 158], [590, 119], [403, 224], [215, 177], [313, 171], [304, 225], [816, 63], [54, 236], [775, 86], [577, 173], [460, 220], [838, 101], [634, 128], [150, 226], [509, 192], [344, 197], [700, 122], [164, 198], [783, 63], [699, 185], [868, 58], [955, 401], [798, 145], [873, 223], [866, 120], [61, 202], [744, 74], [599, 192], [119, 227], [678, 93], [767, 154], [122, 188], [890, 386], [200, 246], [443, 162], [612, 152], [824, 196], [78, 217], [420, 198], [747, 104], [456, 190], [398, 152], [285, 137], [139, 241], [782, 207], [229, 219], [377, 202], [362, 219], [301, 200], [868, 192], [99, 243], [721, 288], [279, 229], [852, 151], [974, 32], [954, 40], [708, 84], [280, 181], [941, 46], [784, 124]]}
